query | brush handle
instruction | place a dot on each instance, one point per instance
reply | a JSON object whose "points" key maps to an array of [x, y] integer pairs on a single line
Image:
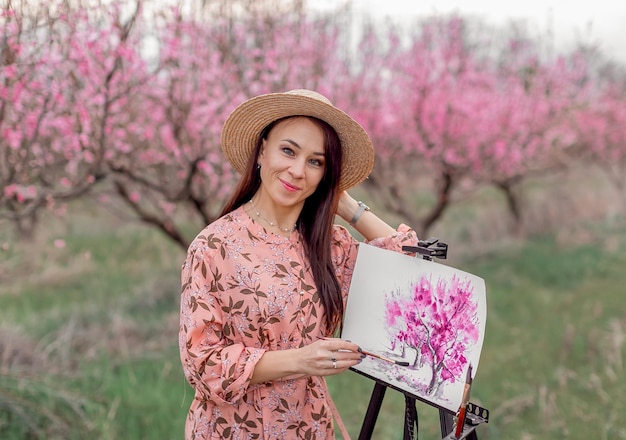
{"points": [[460, 421], [377, 356]]}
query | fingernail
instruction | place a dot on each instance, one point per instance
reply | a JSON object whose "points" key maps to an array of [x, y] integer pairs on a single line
{"points": [[359, 350], [362, 356]]}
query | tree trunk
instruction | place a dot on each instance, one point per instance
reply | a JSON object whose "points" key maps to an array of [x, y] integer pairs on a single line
{"points": [[513, 204], [443, 201]]}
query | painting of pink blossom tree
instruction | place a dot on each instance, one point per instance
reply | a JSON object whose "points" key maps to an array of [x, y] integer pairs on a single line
{"points": [[438, 319], [423, 321]]}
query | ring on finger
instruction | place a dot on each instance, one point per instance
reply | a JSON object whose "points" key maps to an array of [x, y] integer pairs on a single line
{"points": [[332, 358], [334, 363]]}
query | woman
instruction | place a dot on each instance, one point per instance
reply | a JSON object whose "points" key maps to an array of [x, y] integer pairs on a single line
{"points": [[264, 286]]}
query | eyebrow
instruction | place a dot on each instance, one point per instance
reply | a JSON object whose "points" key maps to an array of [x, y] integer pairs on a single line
{"points": [[295, 144]]}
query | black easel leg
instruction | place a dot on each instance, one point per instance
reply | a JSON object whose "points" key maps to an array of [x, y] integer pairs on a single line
{"points": [[472, 436], [411, 426], [410, 419], [446, 421], [372, 412]]}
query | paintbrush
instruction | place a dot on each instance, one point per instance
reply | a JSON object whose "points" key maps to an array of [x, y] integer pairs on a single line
{"points": [[464, 402], [378, 356]]}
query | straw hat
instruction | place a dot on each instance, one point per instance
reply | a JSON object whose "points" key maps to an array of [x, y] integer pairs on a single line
{"points": [[244, 125]]}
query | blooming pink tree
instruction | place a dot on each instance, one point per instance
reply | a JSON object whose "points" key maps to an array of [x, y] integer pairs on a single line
{"points": [[174, 161], [437, 318], [373, 94], [444, 107], [420, 110], [127, 104], [600, 130], [524, 129], [135, 103], [63, 90]]}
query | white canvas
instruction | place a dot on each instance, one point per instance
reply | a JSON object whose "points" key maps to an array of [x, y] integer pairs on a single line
{"points": [[408, 309]]}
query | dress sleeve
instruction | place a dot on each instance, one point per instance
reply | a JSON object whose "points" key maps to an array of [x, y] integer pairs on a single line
{"points": [[403, 236], [218, 368], [345, 249]]}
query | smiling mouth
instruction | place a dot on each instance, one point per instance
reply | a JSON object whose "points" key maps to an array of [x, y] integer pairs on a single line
{"points": [[289, 186]]}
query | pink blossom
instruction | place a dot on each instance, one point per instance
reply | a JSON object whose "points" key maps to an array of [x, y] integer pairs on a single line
{"points": [[393, 311]]}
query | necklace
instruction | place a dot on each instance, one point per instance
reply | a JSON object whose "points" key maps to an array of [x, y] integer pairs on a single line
{"points": [[269, 222]]}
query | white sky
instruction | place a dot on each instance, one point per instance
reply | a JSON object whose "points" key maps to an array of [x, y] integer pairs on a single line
{"points": [[602, 22]]}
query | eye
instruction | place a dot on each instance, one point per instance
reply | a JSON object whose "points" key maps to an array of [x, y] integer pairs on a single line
{"points": [[288, 151], [317, 162]]}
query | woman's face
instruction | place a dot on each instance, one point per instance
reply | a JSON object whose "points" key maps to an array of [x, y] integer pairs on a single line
{"points": [[292, 161]]}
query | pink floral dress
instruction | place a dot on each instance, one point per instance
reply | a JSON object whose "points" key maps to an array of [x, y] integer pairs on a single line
{"points": [[246, 291]]}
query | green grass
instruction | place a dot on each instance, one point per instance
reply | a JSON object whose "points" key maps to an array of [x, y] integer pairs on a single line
{"points": [[97, 351], [102, 314], [552, 363]]}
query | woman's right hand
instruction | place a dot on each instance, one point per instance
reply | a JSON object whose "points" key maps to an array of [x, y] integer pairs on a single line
{"points": [[323, 357], [329, 356]]}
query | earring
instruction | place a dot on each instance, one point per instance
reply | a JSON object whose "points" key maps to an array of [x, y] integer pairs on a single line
{"points": [[258, 167]]}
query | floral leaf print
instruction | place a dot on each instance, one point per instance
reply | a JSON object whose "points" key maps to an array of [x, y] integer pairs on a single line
{"points": [[203, 305], [283, 269], [309, 329], [193, 303], [241, 287], [212, 241], [240, 419]]}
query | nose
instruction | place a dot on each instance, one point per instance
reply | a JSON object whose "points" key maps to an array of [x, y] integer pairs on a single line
{"points": [[297, 168]]}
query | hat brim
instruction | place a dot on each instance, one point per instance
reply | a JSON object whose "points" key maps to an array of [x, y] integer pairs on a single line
{"points": [[244, 125]]}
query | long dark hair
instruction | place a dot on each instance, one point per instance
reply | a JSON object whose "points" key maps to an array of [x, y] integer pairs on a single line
{"points": [[316, 219]]}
